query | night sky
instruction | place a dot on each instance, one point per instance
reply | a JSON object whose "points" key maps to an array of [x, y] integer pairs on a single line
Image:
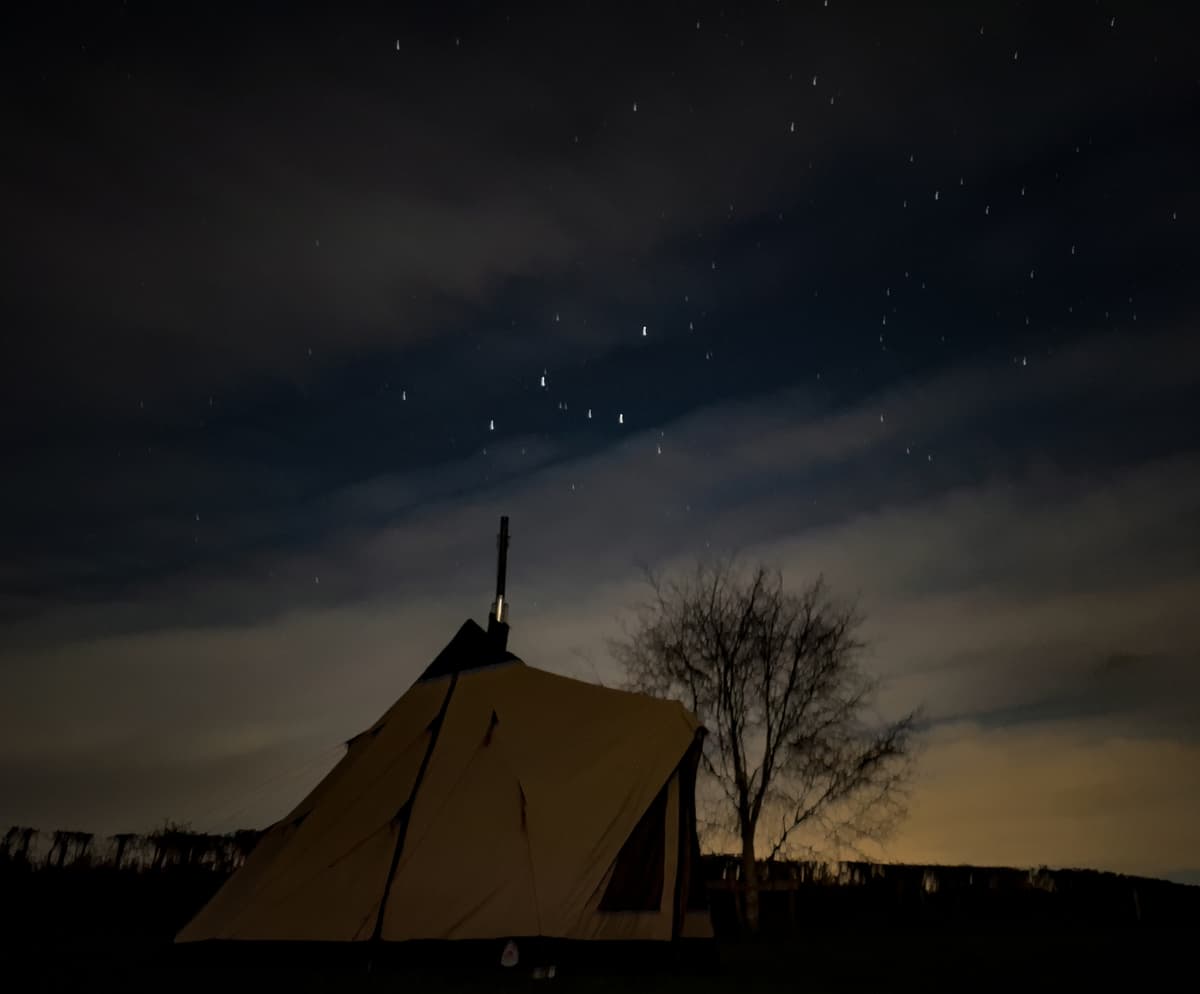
{"points": [[296, 304]]}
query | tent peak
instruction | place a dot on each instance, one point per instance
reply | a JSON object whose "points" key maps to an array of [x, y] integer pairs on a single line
{"points": [[470, 649]]}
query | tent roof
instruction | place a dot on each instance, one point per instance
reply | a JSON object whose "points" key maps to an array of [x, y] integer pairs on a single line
{"points": [[489, 800]]}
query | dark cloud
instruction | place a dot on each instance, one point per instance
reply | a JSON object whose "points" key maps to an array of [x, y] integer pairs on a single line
{"points": [[1046, 603], [925, 325], [183, 207]]}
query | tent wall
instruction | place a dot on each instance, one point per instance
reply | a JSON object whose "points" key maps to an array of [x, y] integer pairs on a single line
{"points": [[536, 783], [654, 924]]}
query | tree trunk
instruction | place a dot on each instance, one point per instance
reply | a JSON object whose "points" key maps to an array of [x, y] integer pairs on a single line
{"points": [[750, 881]]}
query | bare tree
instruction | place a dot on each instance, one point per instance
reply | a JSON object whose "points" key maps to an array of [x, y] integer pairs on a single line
{"points": [[776, 678]]}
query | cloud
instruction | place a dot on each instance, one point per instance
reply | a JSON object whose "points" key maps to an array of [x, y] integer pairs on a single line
{"points": [[1043, 614], [1066, 794]]}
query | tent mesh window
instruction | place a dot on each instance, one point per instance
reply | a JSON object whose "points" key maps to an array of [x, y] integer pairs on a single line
{"points": [[636, 883]]}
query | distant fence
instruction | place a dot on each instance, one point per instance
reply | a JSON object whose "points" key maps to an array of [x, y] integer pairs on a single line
{"points": [[801, 895]]}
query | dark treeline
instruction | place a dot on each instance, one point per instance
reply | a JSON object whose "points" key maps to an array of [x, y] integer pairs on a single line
{"points": [[169, 846], [73, 889]]}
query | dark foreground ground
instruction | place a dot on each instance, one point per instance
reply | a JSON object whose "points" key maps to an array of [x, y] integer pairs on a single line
{"points": [[927, 960], [893, 928]]}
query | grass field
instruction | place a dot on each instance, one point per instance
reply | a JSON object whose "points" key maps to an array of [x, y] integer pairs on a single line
{"points": [[831, 961]]}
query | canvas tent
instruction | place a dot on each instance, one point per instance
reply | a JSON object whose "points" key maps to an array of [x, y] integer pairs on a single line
{"points": [[493, 800]]}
